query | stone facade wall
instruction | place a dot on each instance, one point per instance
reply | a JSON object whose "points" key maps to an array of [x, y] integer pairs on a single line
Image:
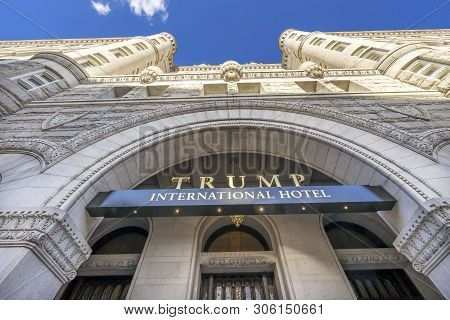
{"points": [[63, 143]]}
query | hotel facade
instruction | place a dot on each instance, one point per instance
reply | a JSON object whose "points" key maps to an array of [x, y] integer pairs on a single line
{"points": [[326, 176]]}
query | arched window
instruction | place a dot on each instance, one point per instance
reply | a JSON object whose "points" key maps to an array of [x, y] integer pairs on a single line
{"points": [[345, 235], [390, 282], [109, 284], [233, 239], [128, 240]]}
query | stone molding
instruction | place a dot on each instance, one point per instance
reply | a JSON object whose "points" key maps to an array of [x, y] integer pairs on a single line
{"points": [[246, 66], [357, 34], [246, 75], [370, 256], [49, 233], [237, 261], [117, 264], [20, 43], [426, 241]]}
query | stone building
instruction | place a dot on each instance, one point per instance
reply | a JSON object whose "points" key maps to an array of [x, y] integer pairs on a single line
{"points": [[80, 118]]}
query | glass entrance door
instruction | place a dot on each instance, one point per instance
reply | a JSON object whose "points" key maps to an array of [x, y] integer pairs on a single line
{"points": [[251, 286]]}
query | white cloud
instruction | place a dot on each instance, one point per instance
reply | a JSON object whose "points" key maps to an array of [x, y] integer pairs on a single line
{"points": [[149, 8], [101, 8]]}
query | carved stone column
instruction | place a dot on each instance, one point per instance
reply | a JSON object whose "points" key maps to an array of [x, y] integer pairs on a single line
{"points": [[40, 250], [425, 242]]}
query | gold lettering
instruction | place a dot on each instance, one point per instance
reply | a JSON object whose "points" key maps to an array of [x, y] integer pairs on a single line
{"points": [[179, 181], [297, 178], [231, 182], [206, 181], [267, 183]]}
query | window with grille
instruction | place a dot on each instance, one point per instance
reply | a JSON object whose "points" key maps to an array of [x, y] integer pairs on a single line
{"points": [[252, 286], [383, 285], [98, 288]]}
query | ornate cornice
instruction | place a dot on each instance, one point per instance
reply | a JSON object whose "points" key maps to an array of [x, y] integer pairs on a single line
{"points": [[357, 34], [17, 43], [425, 242], [246, 75], [50, 234]]}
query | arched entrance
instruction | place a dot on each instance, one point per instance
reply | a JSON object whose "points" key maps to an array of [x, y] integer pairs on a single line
{"points": [[127, 158]]}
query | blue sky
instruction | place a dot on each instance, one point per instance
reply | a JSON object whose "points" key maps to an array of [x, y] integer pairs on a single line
{"points": [[213, 31]]}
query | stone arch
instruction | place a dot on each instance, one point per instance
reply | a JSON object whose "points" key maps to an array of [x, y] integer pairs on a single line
{"points": [[371, 166], [336, 146]]}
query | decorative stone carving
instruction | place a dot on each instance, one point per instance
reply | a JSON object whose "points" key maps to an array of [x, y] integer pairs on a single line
{"points": [[50, 152], [313, 70], [46, 151], [426, 241], [238, 261], [370, 256], [150, 74], [247, 74], [231, 71], [49, 234], [413, 111], [60, 118], [112, 263]]}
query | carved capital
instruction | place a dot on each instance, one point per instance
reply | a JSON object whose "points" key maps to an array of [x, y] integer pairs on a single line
{"points": [[425, 242], [49, 234]]}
